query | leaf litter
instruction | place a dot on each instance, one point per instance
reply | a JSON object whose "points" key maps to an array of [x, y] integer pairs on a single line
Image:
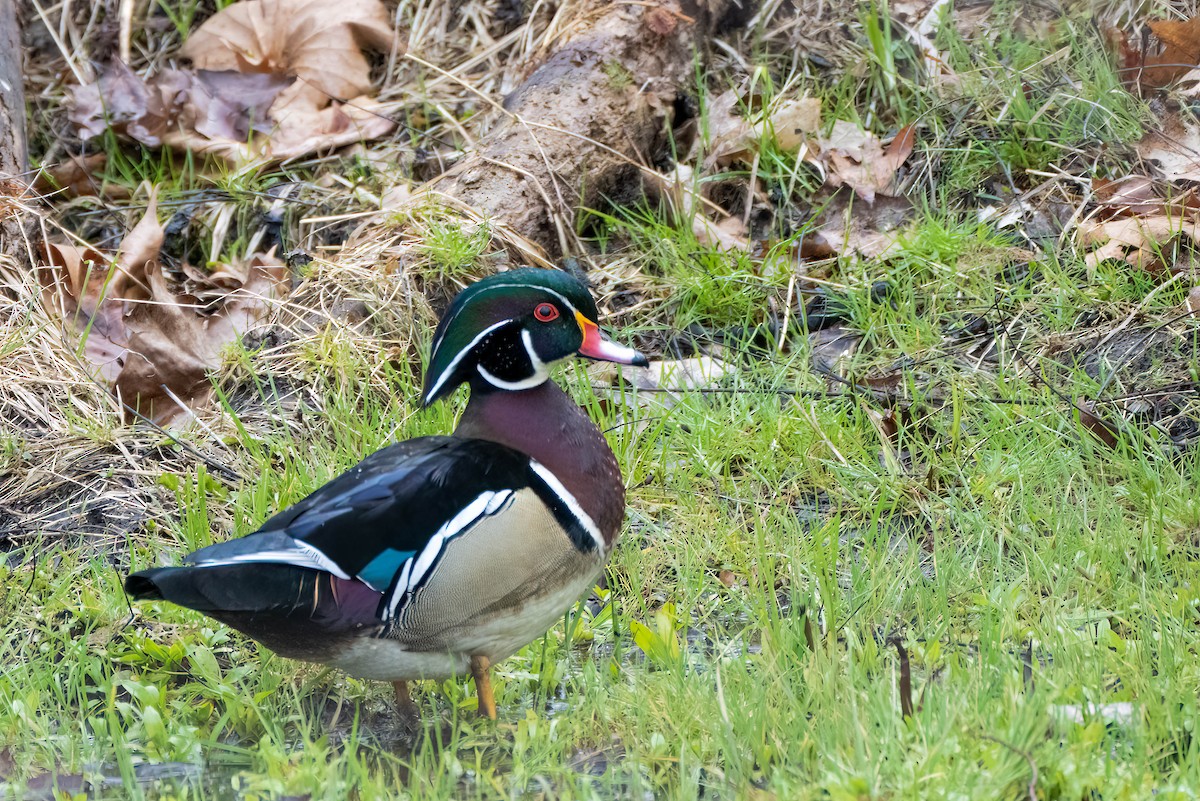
{"points": [[271, 80], [152, 344], [848, 156]]}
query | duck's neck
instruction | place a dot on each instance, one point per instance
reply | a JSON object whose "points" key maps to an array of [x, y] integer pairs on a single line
{"points": [[546, 424]]}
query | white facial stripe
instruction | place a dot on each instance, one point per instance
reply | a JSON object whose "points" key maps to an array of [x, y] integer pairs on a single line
{"points": [[302, 555], [539, 366], [540, 372], [567, 498], [485, 504], [458, 357], [566, 303]]}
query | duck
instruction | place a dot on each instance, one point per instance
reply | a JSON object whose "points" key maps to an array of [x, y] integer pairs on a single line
{"points": [[439, 556]]}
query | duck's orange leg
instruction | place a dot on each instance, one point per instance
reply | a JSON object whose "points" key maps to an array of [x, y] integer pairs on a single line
{"points": [[404, 701], [483, 686]]}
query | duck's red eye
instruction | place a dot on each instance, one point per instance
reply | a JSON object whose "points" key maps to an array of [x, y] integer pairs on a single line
{"points": [[545, 312]]}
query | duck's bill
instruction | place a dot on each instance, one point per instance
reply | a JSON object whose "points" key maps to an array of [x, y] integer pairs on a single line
{"points": [[597, 346]]}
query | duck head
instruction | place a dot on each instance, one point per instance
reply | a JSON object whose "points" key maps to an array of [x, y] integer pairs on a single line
{"points": [[503, 333]]}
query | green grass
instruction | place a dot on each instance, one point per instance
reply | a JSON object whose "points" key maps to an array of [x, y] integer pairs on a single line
{"points": [[778, 537], [1040, 542]]}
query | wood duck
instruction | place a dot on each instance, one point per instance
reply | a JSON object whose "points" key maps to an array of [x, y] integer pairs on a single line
{"points": [[439, 555]]}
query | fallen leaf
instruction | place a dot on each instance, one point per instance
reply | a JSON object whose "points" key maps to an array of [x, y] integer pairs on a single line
{"points": [[851, 141], [1129, 57], [301, 131], [1189, 84], [137, 256], [792, 122], [225, 104], [680, 191], [150, 343], [888, 428], [173, 346], [1181, 51], [1142, 242], [1175, 149], [831, 350], [1085, 412], [1192, 304], [318, 42], [905, 688], [1134, 194], [75, 282], [1007, 215], [660, 21], [731, 137], [729, 234], [920, 21], [857, 158], [870, 231], [78, 176], [274, 80], [122, 101]]}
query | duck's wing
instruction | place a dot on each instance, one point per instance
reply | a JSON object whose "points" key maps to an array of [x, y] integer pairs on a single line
{"points": [[366, 523], [328, 559]]}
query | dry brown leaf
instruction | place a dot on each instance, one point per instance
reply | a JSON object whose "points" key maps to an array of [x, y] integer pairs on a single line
{"points": [[137, 257], [660, 21], [792, 122], [282, 69], [1085, 412], [1176, 149], [857, 158], [1189, 84], [679, 190], [729, 234], [888, 428], [871, 232], [224, 104], [317, 41], [173, 346], [1129, 57], [734, 138], [852, 141], [832, 348], [1142, 242], [1181, 51], [122, 101], [74, 282], [77, 177], [148, 342], [1134, 194], [299, 135], [730, 135], [302, 131], [1192, 304]]}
